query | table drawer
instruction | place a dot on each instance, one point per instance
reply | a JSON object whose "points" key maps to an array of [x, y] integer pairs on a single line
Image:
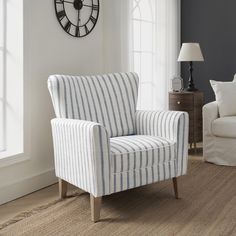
{"points": [[181, 103]]}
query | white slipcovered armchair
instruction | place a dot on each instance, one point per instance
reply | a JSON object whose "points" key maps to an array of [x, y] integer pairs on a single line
{"points": [[103, 145], [219, 136]]}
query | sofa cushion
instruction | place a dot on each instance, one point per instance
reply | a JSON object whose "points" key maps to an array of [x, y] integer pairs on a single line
{"points": [[225, 93], [140, 151], [225, 127]]}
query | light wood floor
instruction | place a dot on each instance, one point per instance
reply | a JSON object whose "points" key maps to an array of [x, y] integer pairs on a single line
{"points": [[204, 208], [42, 197], [28, 202]]}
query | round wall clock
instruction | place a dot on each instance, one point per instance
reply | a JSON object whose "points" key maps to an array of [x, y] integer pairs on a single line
{"points": [[77, 17]]}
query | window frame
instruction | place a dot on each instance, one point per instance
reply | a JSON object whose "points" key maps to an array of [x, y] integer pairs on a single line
{"points": [[11, 83]]}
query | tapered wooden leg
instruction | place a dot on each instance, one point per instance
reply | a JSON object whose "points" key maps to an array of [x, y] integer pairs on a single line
{"points": [[95, 203], [175, 185], [62, 188]]}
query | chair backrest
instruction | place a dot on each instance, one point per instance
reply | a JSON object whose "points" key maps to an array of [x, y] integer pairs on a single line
{"points": [[106, 99]]}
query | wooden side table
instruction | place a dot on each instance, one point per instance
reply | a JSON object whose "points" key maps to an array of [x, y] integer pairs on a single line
{"points": [[191, 102]]}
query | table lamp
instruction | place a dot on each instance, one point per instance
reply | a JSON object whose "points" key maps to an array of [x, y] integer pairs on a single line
{"points": [[190, 52]]}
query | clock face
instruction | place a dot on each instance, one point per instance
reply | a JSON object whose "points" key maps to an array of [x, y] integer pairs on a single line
{"points": [[77, 17]]}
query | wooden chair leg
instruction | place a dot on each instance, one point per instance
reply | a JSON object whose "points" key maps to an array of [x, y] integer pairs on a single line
{"points": [[62, 188], [175, 185], [95, 203]]}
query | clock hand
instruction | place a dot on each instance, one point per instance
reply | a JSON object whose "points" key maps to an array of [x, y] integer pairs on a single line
{"points": [[78, 22], [85, 5]]}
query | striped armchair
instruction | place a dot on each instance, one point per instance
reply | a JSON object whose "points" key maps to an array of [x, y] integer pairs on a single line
{"points": [[103, 145]]}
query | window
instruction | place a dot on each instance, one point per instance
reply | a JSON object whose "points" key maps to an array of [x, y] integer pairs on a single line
{"points": [[11, 77], [143, 51], [155, 44]]}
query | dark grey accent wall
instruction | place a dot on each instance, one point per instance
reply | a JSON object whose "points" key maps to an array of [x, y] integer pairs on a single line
{"points": [[212, 23]]}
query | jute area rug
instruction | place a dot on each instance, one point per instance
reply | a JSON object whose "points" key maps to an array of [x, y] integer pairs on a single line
{"points": [[207, 207]]}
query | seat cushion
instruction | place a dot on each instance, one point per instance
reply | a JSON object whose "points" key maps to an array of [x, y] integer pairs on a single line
{"points": [[225, 127], [140, 151]]}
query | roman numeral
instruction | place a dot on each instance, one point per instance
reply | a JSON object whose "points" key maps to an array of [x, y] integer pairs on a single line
{"points": [[93, 19], [86, 29], [95, 7], [77, 32], [61, 15], [67, 26]]}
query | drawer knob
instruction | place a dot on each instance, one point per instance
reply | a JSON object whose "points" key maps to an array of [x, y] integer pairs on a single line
{"points": [[178, 102]]}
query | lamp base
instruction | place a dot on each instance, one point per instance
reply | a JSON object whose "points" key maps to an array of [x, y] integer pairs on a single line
{"points": [[191, 87]]}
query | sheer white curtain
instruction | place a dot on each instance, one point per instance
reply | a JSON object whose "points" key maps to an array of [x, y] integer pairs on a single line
{"points": [[154, 49], [144, 36]]}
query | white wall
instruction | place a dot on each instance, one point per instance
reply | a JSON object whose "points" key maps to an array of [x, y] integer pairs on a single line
{"points": [[116, 35], [47, 50]]}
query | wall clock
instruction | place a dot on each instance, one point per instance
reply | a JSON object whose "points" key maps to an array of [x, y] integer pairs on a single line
{"points": [[77, 17]]}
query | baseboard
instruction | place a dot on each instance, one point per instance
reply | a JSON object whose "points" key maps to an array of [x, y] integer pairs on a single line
{"points": [[26, 186]]}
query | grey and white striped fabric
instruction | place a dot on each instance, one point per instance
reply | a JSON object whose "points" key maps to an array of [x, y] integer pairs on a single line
{"points": [[172, 125], [82, 154], [138, 160], [103, 145], [107, 99], [140, 151]]}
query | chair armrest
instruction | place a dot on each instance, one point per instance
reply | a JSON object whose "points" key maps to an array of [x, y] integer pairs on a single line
{"points": [[172, 125], [210, 113], [81, 153]]}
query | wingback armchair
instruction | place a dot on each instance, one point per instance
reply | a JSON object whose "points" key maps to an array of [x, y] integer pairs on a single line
{"points": [[103, 145]]}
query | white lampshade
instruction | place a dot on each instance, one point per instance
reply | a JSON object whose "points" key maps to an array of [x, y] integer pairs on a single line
{"points": [[190, 52]]}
